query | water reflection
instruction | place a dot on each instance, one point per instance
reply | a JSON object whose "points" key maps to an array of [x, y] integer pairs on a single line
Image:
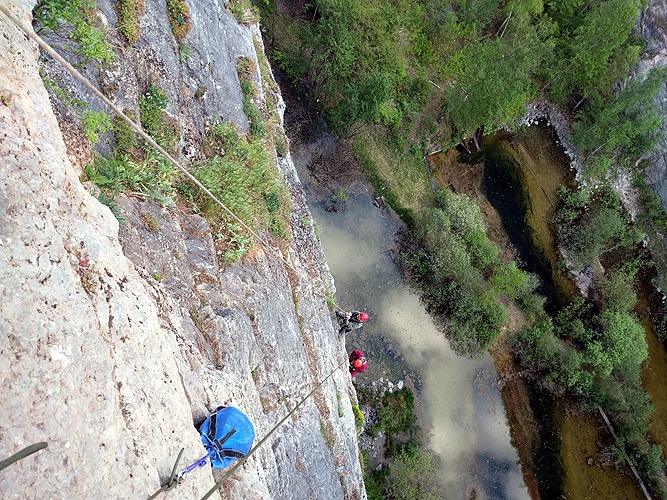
{"points": [[469, 431]]}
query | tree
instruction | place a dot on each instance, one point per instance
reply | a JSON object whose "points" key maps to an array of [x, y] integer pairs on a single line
{"points": [[589, 227], [496, 78], [623, 341], [617, 290], [594, 48], [363, 100], [623, 127]]}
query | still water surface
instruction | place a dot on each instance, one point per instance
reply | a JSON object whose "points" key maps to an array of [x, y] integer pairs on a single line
{"points": [[469, 433]]}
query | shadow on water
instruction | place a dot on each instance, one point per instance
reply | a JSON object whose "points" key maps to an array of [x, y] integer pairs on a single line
{"points": [[502, 187], [504, 190]]}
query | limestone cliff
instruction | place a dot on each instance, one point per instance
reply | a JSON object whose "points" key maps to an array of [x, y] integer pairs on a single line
{"points": [[111, 366], [653, 29]]}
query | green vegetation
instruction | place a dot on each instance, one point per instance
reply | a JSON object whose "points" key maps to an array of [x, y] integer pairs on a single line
{"points": [[110, 202], [593, 349], [76, 20], [359, 418], [460, 274], [594, 47], [126, 139], [398, 176], [243, 11], [95, 124], [589, 225], [397, 412], [154, 119], [413, 474], [396, 79], [134, 166], [58, 88], [613, 133], [386, 52], [179, 18], [150, 222], [497, 97], [183, 52], [594, 352], [129, 14], [241, 173], [152, 176], [410, 471], [394, 75], [246, 71], [275, 132]]}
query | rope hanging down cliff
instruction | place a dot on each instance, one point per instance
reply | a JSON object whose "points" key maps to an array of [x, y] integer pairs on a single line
{"points": [[37, 39]]}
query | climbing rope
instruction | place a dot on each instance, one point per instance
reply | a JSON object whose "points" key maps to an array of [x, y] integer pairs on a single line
{"points": [[28, 450], [37, 39], [172, 482]]}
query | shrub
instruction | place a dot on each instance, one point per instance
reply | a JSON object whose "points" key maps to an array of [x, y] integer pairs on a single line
{"points": [[184, 56], [150, 222], [459, 272], [623, 341], [359, 419], [412, 475], [510, 281], [129, 13], [126, 139], [463, 212], [154, 119], [241, 174], [77, 19], [397, 412], [617, 291], [179, 18], [153, 176], [243, 11], [246, 72], [57, 86], [110, 203], [94, 124], [587, 227]]}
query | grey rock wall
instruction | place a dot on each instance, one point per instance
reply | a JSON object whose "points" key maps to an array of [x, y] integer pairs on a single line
{"points": [[115, 341], [653, 28]]}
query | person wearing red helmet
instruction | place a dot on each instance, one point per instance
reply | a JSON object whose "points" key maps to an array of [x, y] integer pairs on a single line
{"points": [[358, 362], [349, 321]]}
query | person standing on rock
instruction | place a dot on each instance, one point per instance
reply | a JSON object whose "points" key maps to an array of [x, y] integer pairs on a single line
{"points": [[349, 321], [358, 362]]}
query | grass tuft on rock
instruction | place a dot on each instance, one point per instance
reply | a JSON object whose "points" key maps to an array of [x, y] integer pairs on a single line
{"points": [[242, 174], [179, 18], [129, 13]]}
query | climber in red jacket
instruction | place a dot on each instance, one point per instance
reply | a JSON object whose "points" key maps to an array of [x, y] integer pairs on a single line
{"points": [[357, 362]]}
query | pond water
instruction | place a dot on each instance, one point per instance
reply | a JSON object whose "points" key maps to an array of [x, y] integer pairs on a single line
{"points": [[457, 398]]}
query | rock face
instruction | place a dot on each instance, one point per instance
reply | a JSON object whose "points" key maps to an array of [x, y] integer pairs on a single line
{"points": [[115, 341], [653, 28]]}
